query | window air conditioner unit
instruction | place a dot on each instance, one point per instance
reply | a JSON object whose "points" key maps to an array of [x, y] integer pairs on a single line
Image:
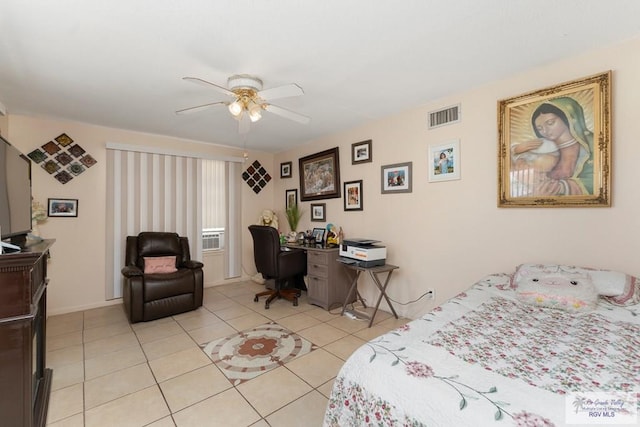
{"points": [[212, 238]]}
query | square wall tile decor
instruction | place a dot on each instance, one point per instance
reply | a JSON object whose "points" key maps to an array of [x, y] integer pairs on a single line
{"points": [[62, 158]]}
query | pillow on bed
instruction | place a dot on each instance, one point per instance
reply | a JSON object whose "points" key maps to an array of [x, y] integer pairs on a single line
{"points": [[565, 291], [607, 282], [630, 296]]}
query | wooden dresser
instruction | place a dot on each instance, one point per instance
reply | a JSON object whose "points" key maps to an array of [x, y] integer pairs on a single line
{"points": [[25, 383], [327, 280]]}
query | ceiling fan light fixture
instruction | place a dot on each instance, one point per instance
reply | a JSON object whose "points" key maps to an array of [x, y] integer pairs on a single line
{"points": [[235, 108], [255, 112]]}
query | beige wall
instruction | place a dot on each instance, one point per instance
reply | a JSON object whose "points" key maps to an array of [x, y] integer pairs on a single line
{"points": [[444, 236], [77, 266], [447, 235]]}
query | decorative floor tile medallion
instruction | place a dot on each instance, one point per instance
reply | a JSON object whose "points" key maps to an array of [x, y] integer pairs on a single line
{"points": [[247, 354]]}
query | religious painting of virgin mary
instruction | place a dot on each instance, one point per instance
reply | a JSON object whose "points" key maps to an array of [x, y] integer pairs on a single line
{"points": [[555, 146]]}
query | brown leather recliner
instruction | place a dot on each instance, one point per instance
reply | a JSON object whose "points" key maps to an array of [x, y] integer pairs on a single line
{"points": [[155, 295]]}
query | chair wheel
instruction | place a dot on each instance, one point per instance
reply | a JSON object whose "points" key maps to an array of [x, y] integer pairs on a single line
{"points": [[255, 299], [295, 302], [266, 306]]}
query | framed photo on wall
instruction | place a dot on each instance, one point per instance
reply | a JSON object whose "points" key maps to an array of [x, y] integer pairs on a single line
{"points": [[353, 196], [62, 207], [555, 146], [396, 178], [318, 211], [444, 161], [291, 198], [361, 152], [285, 170], [320, 175]]}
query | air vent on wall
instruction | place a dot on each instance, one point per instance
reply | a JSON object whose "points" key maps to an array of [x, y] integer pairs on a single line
{"points": [[444, 116]]}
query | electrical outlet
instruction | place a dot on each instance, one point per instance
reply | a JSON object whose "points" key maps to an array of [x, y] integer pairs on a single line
{"points": [[431, 294]]}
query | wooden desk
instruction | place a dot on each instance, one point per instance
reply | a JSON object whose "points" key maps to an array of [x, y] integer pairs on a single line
{"points": [[373, 272], [327, 281]]}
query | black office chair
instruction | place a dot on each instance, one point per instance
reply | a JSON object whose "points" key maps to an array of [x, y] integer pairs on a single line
{"points": [[274, 263]]}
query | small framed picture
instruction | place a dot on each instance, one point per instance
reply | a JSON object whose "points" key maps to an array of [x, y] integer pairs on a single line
{"points": [[361, 152], [396, 178], [62, 207], [444, 161], [285, 169], [318, 211], [318, 233], [291, 198], [353, 195]]}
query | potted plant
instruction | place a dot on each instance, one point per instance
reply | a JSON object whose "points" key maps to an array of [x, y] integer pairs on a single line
{"points": [[293, 213]]}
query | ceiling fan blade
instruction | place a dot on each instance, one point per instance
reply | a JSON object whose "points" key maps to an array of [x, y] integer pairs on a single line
{"points": [[281, 92], [214, 86], [244, 124], [198, 108], [287, 114]]}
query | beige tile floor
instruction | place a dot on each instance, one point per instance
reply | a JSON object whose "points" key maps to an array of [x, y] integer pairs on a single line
{"points": [[107, 372]]}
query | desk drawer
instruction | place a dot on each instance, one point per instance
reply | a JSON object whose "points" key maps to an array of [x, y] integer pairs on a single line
{"points": [[315, 257], [317, 270], [318, 291]]}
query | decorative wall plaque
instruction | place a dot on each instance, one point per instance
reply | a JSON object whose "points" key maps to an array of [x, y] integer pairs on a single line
{"points": [[256, 177], [62, 158]]}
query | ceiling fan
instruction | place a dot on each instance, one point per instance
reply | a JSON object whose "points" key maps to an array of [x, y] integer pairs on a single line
{"points": [[249, 99]]}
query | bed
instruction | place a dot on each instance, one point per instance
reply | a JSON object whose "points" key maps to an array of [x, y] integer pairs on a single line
{"points": [[490, 357]]}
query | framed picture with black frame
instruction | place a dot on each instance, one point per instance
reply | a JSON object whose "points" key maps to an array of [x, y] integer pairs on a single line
{"points": [[361, 152], [291, 198], [62, 207], [285, 170], [318, 211], [353, 196], [320, 175], [318, 233]]}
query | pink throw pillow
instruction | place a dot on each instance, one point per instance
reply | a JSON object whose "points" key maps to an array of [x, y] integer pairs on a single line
{"points": [[160, 265]]}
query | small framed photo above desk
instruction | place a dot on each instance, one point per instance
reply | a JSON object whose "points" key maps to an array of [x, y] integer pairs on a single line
{"points": [[353, 195], [291, 198], [318, 212], [361, 152], [396, 178]]}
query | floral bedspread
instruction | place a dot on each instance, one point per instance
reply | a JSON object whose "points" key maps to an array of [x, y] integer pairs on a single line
{"points": [[484, 359]]}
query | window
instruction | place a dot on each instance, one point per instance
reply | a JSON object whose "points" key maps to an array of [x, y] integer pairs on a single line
{"points": [[214, 210]]}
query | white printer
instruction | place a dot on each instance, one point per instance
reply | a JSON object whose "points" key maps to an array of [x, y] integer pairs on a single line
{"points": [[362, 252]]}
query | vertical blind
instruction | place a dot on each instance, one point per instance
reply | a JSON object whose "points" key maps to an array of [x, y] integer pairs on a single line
{"points": [[149, 191], [214, 186]]}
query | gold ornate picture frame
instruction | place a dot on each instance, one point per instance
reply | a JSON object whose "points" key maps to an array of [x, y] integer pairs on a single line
{"points": [[554, 146]]}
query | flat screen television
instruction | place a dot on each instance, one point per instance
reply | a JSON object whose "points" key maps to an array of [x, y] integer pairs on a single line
{"points": [[15, 193]]}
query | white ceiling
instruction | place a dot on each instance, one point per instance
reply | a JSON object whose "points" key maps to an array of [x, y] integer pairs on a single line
{"points": [[120, 63]]}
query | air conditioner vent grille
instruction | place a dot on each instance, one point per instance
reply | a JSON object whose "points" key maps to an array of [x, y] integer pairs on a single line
{"points": [[213, 238], [444, 116]]}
